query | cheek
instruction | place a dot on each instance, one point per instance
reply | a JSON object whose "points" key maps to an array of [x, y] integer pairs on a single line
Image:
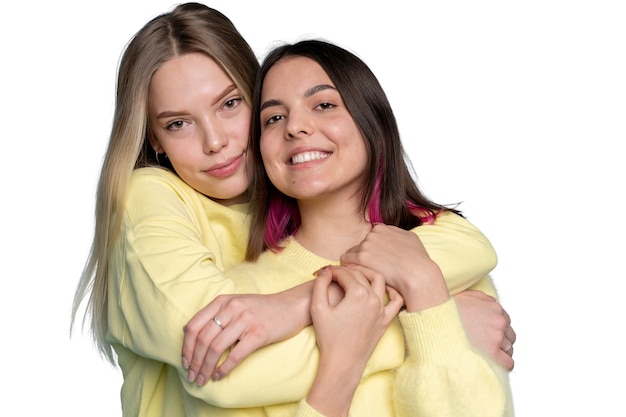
{"points": [[269, 155], [352, 137], [181, 158], [240, 131], [239, 128], [342, 129], [267, 148]]}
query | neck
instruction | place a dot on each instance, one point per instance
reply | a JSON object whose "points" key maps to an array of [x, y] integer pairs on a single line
{"points": [[329, 231]]}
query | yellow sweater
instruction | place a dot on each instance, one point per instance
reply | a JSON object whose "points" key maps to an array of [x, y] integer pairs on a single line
{"points": [[167, 265], [441, 376]]}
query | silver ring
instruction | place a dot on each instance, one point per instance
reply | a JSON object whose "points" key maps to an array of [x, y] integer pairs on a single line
{"points": [[509, 346], [219, 323]]}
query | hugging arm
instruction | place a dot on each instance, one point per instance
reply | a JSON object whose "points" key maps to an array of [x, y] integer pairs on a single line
{"points": [[440, 362], [164, 271], [449, 238], [462, 252], [464, 256]]}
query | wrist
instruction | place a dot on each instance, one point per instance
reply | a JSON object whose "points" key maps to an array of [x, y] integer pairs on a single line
{"points": [[426, 291], [334, 386], [299, 303]]}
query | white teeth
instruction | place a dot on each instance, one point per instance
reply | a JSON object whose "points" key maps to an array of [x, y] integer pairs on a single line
{"points": [[308, 156]]}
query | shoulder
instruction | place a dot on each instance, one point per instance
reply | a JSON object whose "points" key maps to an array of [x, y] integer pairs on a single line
{"points": [[451, 221], [154, 176], [156, 183], [158, 192]]}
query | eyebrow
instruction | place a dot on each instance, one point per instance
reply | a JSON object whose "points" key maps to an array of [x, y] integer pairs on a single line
{"points": [[170, 113], [308, 93]]}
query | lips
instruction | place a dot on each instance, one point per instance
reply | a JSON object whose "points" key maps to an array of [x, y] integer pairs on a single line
{"points": [[225, 169], [303, 157]]}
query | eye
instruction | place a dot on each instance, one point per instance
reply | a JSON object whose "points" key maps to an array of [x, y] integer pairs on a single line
{"points": [[175, 125], [232, 103], [325, 106], [273, 119]]}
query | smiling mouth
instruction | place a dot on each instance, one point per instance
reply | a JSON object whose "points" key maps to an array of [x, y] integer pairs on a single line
{"points": [[308, 157]]}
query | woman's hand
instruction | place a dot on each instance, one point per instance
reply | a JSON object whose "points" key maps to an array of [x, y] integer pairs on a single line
{"points": [[354, 324], [347, 332], [247, 321], [401, 258], [392, 251], [488, 326]]}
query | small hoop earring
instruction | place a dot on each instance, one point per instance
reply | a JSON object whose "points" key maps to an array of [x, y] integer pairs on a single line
{"points": [[156, 154]]}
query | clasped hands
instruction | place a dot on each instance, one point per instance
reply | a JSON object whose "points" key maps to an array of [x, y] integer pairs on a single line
{"points": [[233, 326]]}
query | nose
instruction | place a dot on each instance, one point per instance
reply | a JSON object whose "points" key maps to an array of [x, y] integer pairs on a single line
{"points": [[214, 137], [298, 124]]}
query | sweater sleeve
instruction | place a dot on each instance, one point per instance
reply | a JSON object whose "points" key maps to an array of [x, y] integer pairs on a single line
{"points": [[450, 237], [462, 252], [305, 410], [166, 266], [442, 374]]}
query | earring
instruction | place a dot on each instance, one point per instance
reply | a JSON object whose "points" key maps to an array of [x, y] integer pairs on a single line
{"points": [[156, 154]]}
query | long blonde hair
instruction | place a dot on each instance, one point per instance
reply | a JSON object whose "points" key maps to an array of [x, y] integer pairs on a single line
{"points": [[190, 27]]}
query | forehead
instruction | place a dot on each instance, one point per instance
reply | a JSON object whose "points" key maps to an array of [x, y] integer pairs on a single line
{"points": [[187, 74], [294, 72]]}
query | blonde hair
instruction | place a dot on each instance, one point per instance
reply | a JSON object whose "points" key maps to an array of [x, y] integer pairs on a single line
{"points": [[189, 28]]}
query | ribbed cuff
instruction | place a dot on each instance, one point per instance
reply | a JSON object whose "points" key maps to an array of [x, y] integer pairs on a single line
{"points": [[305, 410], [435, 334]]}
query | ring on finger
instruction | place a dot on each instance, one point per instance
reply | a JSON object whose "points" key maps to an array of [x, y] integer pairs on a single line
{"points": [[219, 323]]}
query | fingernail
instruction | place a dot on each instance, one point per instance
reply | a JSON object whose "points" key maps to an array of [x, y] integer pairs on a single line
{"points": [[191, 376], [216, 376], [319, 271], [185, 363], [200, 380]]}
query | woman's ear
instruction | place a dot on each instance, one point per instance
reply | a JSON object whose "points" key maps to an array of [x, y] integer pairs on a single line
{"points": [[154, 142]]}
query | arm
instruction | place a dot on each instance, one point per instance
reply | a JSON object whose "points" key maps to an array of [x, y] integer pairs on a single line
{"points": [[440, 362], [298, 357], [166, 267], [464, 256], [461, 251], [247, 322], [299, 369], [347, 333], [386, 249]]}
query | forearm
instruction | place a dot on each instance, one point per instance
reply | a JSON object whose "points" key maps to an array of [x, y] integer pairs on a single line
{"points": [[296, 300], [462, 252], [281, 361], [282, 372], [334, 387], [297, 355], [177, 292]]}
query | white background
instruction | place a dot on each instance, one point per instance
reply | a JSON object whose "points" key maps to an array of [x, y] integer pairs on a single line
{"points": [[515, 108]]}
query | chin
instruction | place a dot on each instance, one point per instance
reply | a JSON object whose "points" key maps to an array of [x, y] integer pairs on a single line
{"points": [[232, 194]]}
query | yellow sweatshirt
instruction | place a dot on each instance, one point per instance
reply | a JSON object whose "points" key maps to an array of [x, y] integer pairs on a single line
{"points": [[441, 376], [168, 263]]}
